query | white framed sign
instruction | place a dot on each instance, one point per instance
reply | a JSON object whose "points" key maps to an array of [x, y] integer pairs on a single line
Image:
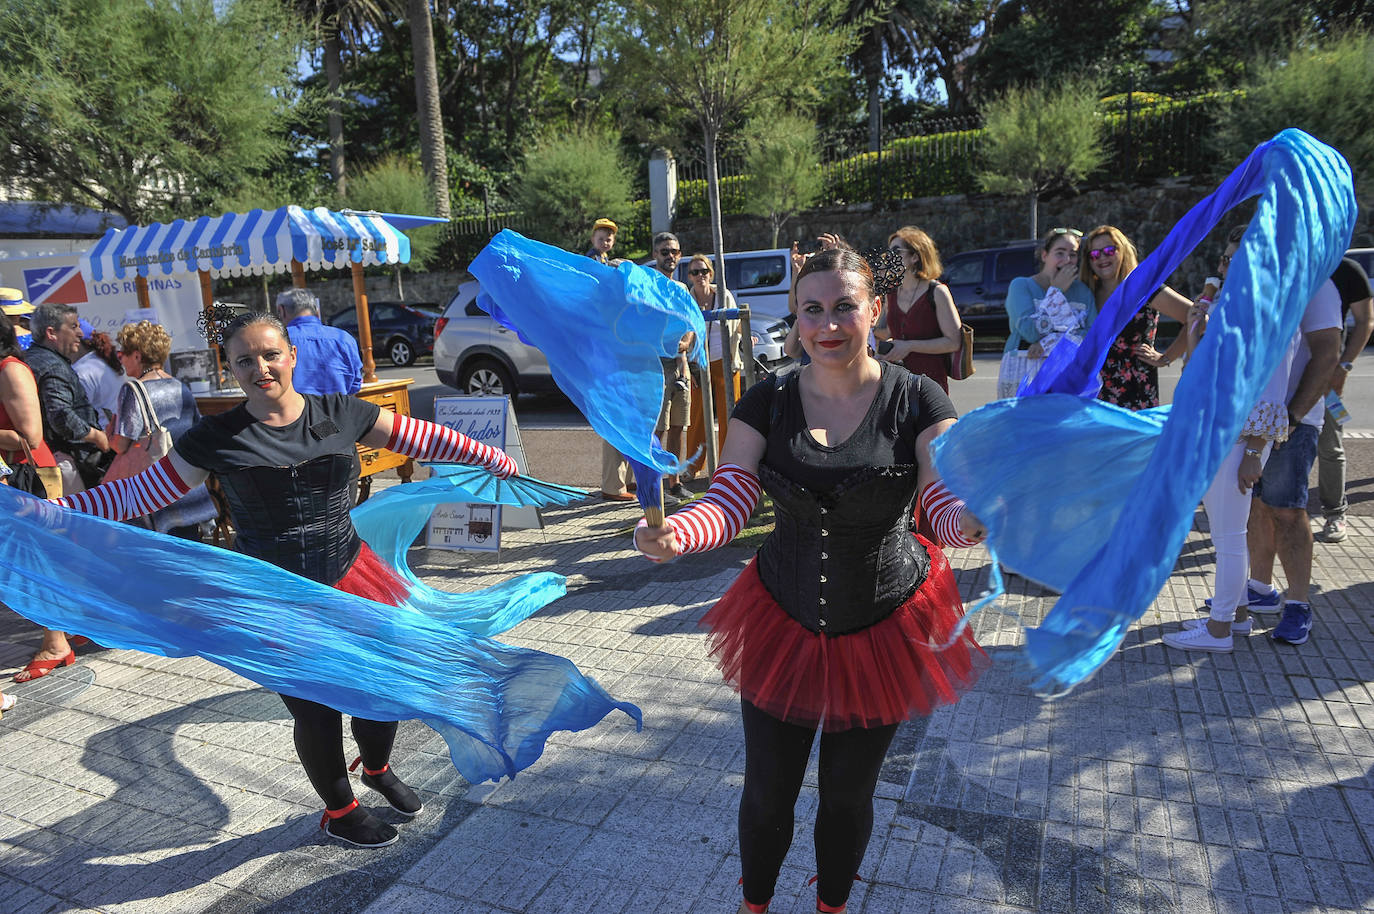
{"points": [[477, 527]]}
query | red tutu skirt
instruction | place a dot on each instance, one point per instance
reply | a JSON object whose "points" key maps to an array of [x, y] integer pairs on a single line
{"points": [[877, 676], [372, 579]]}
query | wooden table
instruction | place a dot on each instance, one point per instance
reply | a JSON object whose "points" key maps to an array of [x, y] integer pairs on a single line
{"points": [[392, 394]]}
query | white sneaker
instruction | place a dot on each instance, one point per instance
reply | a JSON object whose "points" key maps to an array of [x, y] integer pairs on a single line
{"points": [[1198, 639], [1237, 628]]}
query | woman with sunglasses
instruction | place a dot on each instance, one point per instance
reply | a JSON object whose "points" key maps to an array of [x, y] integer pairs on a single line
{"points": [[919, 315], [1130, 376], [1030, 299], [700, 282]]}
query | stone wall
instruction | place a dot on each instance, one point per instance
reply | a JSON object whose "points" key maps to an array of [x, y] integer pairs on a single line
{"points": [[336, 291], [969, 221]]}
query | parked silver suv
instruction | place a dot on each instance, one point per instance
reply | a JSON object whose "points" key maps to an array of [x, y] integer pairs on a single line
{"points": [[476, 355]]}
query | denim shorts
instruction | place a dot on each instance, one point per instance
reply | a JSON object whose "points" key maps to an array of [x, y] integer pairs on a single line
{"points": [[1284, 482]]}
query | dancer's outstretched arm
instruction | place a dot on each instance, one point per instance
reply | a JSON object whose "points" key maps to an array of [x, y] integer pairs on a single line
{"points": [[429, 441], [156, 487]]}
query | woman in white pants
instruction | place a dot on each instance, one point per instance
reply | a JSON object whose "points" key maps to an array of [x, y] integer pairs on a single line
{"points": [[1227, 501]]}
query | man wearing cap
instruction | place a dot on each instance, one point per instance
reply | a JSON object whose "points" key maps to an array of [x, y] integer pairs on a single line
{"points": [[603, 239], [13, 303], [70, 423], [327, 360]]}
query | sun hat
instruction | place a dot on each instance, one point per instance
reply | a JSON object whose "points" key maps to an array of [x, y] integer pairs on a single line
{"points": [[13, 303]]}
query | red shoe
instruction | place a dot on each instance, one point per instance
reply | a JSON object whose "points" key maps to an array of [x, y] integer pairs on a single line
{"points": [[37, 669]]}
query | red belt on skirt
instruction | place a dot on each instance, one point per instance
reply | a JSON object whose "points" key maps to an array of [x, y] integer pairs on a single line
{"points": [[881, 675]]}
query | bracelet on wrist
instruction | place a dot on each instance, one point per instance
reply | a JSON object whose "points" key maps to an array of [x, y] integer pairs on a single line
{"points": [[1251, 452]]}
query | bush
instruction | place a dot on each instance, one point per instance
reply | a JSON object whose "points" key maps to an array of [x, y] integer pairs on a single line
{"points": [[1326, 89], [568, 182], [395, 184]]}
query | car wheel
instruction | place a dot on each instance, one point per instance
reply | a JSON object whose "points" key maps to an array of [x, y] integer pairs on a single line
{"points": [[486, 377], [401, 352]]}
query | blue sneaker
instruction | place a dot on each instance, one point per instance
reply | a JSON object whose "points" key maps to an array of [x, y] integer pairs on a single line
{"points": [[1258, 600], [1295, 624]]}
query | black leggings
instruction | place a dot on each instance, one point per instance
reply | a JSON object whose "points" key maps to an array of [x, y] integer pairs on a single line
{"points": [[319, 743], [775, 754]]}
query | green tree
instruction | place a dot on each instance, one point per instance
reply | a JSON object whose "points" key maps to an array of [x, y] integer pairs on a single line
{"points": [[568, 181], [148, 108], [1325, 88], [783, 167], [1039, 40], [395, 185], [1039, 138], [720, 60], [886, 40]]}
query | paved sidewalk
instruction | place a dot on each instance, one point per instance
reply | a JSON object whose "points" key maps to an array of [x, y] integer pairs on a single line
{"points": [[1229, 783]]}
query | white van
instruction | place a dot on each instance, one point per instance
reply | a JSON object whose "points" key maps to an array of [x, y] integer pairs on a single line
{"points": [[761, 280]]}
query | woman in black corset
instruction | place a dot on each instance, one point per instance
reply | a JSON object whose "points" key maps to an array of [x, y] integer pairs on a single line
{"points": [[286, 461], [838, 622]]}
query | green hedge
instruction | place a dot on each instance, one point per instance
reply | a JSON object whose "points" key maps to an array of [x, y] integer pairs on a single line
{"points": [[1167, 138]]}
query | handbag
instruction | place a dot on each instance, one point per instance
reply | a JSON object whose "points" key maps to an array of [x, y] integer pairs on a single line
{"points": [[145, 451], [1017, 367], [45, 482], [960, 366]]}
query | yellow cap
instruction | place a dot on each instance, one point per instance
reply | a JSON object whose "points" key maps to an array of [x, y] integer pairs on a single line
{"points": [[605, 223]]}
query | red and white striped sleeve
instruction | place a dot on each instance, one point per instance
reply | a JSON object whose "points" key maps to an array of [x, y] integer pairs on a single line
{"points": [[440, 444], [944, 509], [719, 515], [120, 499]]}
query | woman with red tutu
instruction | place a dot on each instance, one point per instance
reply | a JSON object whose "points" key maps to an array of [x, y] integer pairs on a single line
{"points": [[840, 620]]}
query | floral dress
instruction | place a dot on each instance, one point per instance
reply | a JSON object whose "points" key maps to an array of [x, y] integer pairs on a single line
{"points": [[1127, 381]]}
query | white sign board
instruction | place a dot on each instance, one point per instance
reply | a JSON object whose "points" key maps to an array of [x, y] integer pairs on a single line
{"points": [[490, 421], [108, 305]]}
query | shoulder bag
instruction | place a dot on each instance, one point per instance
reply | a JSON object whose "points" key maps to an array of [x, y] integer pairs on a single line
{"points": [[45, 482], [145, 451]]}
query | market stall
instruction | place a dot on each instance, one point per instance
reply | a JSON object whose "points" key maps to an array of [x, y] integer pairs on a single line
{"points": [[290, 239]]}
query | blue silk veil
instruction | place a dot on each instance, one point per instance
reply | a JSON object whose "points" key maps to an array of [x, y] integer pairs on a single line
{"points": [[430, 658], [603, 329], [1094, 501]]}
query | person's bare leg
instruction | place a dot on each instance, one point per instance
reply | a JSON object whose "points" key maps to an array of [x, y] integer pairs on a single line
{"points": [[1293, 544], [1260, 536], [54, 647]]}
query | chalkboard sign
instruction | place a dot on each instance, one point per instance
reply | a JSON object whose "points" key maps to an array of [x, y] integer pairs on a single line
{"points": [[477, 527]]}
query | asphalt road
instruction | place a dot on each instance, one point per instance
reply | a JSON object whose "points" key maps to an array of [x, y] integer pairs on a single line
{"points": [[562, 448]]}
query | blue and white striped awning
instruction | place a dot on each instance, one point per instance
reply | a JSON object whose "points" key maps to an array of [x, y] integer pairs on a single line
{"points": [[256, 242]]}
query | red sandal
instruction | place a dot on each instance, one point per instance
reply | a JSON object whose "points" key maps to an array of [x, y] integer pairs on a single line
{"points": [[37, 669]]}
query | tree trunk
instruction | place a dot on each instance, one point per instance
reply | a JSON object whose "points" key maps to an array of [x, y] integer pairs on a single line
{"points": [[875, 113], [433, 155], [333, 74], [1035, 214]]}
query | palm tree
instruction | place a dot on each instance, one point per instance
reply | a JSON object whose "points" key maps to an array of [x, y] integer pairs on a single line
{"points": [[886, 38], [433, 154], [341, 23]]}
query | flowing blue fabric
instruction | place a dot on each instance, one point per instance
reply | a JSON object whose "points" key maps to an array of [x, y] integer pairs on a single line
{"points": [[1094, 502], [125, 587], [390, 521], [602, 329]]}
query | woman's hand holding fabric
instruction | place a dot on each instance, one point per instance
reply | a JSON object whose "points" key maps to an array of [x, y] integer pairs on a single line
{"points": [[659, 544]]}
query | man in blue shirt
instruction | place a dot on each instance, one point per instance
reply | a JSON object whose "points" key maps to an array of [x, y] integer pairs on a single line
{"points": [[327, 360]]}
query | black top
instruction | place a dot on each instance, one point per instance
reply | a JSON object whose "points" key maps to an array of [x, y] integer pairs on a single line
{"points": [[1351, 282], [288, 486], [841, 556]]}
